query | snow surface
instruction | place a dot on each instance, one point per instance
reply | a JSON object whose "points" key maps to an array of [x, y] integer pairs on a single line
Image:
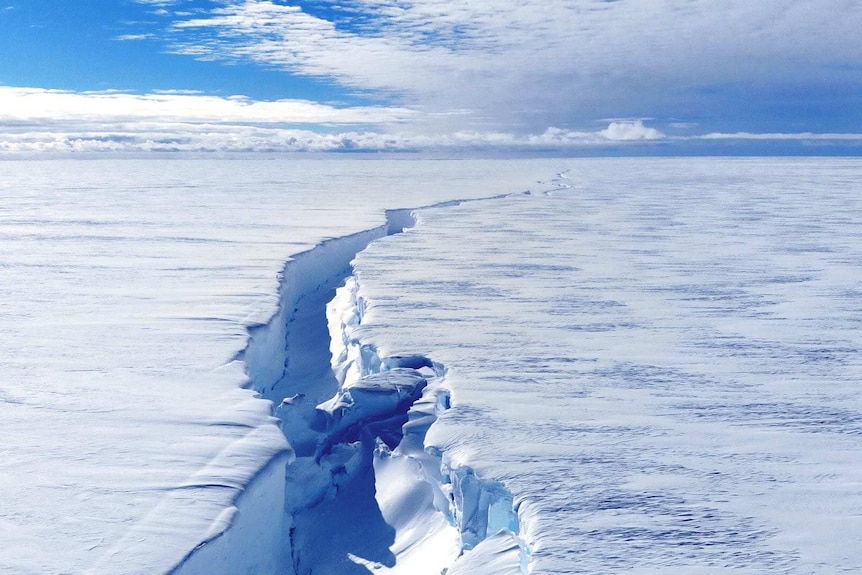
{"points": [[659, 361], [128, 293], [643, 366]]}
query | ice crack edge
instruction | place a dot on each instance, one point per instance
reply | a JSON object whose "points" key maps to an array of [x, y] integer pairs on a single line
{"points": [[482, 511], [353, 424]]}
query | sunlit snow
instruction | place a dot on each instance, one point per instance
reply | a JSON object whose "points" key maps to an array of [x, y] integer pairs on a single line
{"points": [[660, 360], [126, 291], [602, 366]]}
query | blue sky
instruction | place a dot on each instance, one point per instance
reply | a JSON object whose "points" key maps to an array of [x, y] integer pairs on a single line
{"points": [[578, 76]]}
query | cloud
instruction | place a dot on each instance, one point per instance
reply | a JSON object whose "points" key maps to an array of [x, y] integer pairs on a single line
{"points": [[630, 131], [130, 37], [524, 64], [198, 138], [34, 121], [35, 105]]}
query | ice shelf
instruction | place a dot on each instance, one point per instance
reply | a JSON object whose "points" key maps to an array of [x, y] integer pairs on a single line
{"points": [[652, 366], [356, 423], [132, 440], [659, 359]]}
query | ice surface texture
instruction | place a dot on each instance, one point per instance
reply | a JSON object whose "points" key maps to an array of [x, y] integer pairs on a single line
{"points": [[661, 362], [652, 369], [127, 289]]}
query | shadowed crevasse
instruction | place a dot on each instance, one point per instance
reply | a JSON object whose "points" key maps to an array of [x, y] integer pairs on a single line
{"points": [[341, 427]]}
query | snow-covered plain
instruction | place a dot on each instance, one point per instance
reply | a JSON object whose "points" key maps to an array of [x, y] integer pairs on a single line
{"points": [[642, 366], [660, 361], [127, 289]]}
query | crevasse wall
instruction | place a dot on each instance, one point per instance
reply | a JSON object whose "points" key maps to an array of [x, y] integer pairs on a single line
{"points": [[481, 510], [251, 536], [247, 537], [267, 353], [256, 534]]}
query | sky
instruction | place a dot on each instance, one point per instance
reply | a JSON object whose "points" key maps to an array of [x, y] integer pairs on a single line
{"points": [[565, 76]]}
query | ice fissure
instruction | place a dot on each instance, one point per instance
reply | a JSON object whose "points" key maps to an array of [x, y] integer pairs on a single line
{"points": [[362, 492], [479, 511]]}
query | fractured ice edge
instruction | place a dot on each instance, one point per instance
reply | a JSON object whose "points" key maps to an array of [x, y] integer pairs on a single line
{"points": [[361, 491]]}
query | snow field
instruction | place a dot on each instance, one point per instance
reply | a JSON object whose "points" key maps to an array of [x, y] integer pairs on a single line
{"points": [[646, 366], [128, 290], [659, 360]]}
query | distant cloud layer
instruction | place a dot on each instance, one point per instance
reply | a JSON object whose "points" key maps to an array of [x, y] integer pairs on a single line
{"points": [[36, 120]]}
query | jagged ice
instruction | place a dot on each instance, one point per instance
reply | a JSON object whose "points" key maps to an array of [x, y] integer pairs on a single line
{"points": [[638, 366]]}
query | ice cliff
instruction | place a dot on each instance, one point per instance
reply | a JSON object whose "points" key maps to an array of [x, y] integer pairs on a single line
{"points": [[359, 490]]}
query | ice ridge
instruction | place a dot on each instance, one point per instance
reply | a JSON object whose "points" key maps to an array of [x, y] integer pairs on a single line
{"points": [[482, 511], [347, 414]]}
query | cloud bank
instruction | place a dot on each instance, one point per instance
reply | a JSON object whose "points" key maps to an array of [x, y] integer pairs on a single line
{"points": [[523, 65], [33, 105], [36, 121]]}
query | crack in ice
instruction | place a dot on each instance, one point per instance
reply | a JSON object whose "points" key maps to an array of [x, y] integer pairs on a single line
{"points": [[357, 423]]}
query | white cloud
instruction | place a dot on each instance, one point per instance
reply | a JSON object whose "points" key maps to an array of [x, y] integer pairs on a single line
{"points": [[630, 131], [36, 121], [38, 105], [557, 137], [287, 37], [521, 64], [131, 37], [179, 137]]}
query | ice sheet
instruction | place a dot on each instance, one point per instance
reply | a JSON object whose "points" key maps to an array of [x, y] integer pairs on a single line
{"points": [[660, 361], [126, 291]]}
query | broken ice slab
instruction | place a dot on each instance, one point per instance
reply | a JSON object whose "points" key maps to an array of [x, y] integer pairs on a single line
{"points": [[371, 398]]}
